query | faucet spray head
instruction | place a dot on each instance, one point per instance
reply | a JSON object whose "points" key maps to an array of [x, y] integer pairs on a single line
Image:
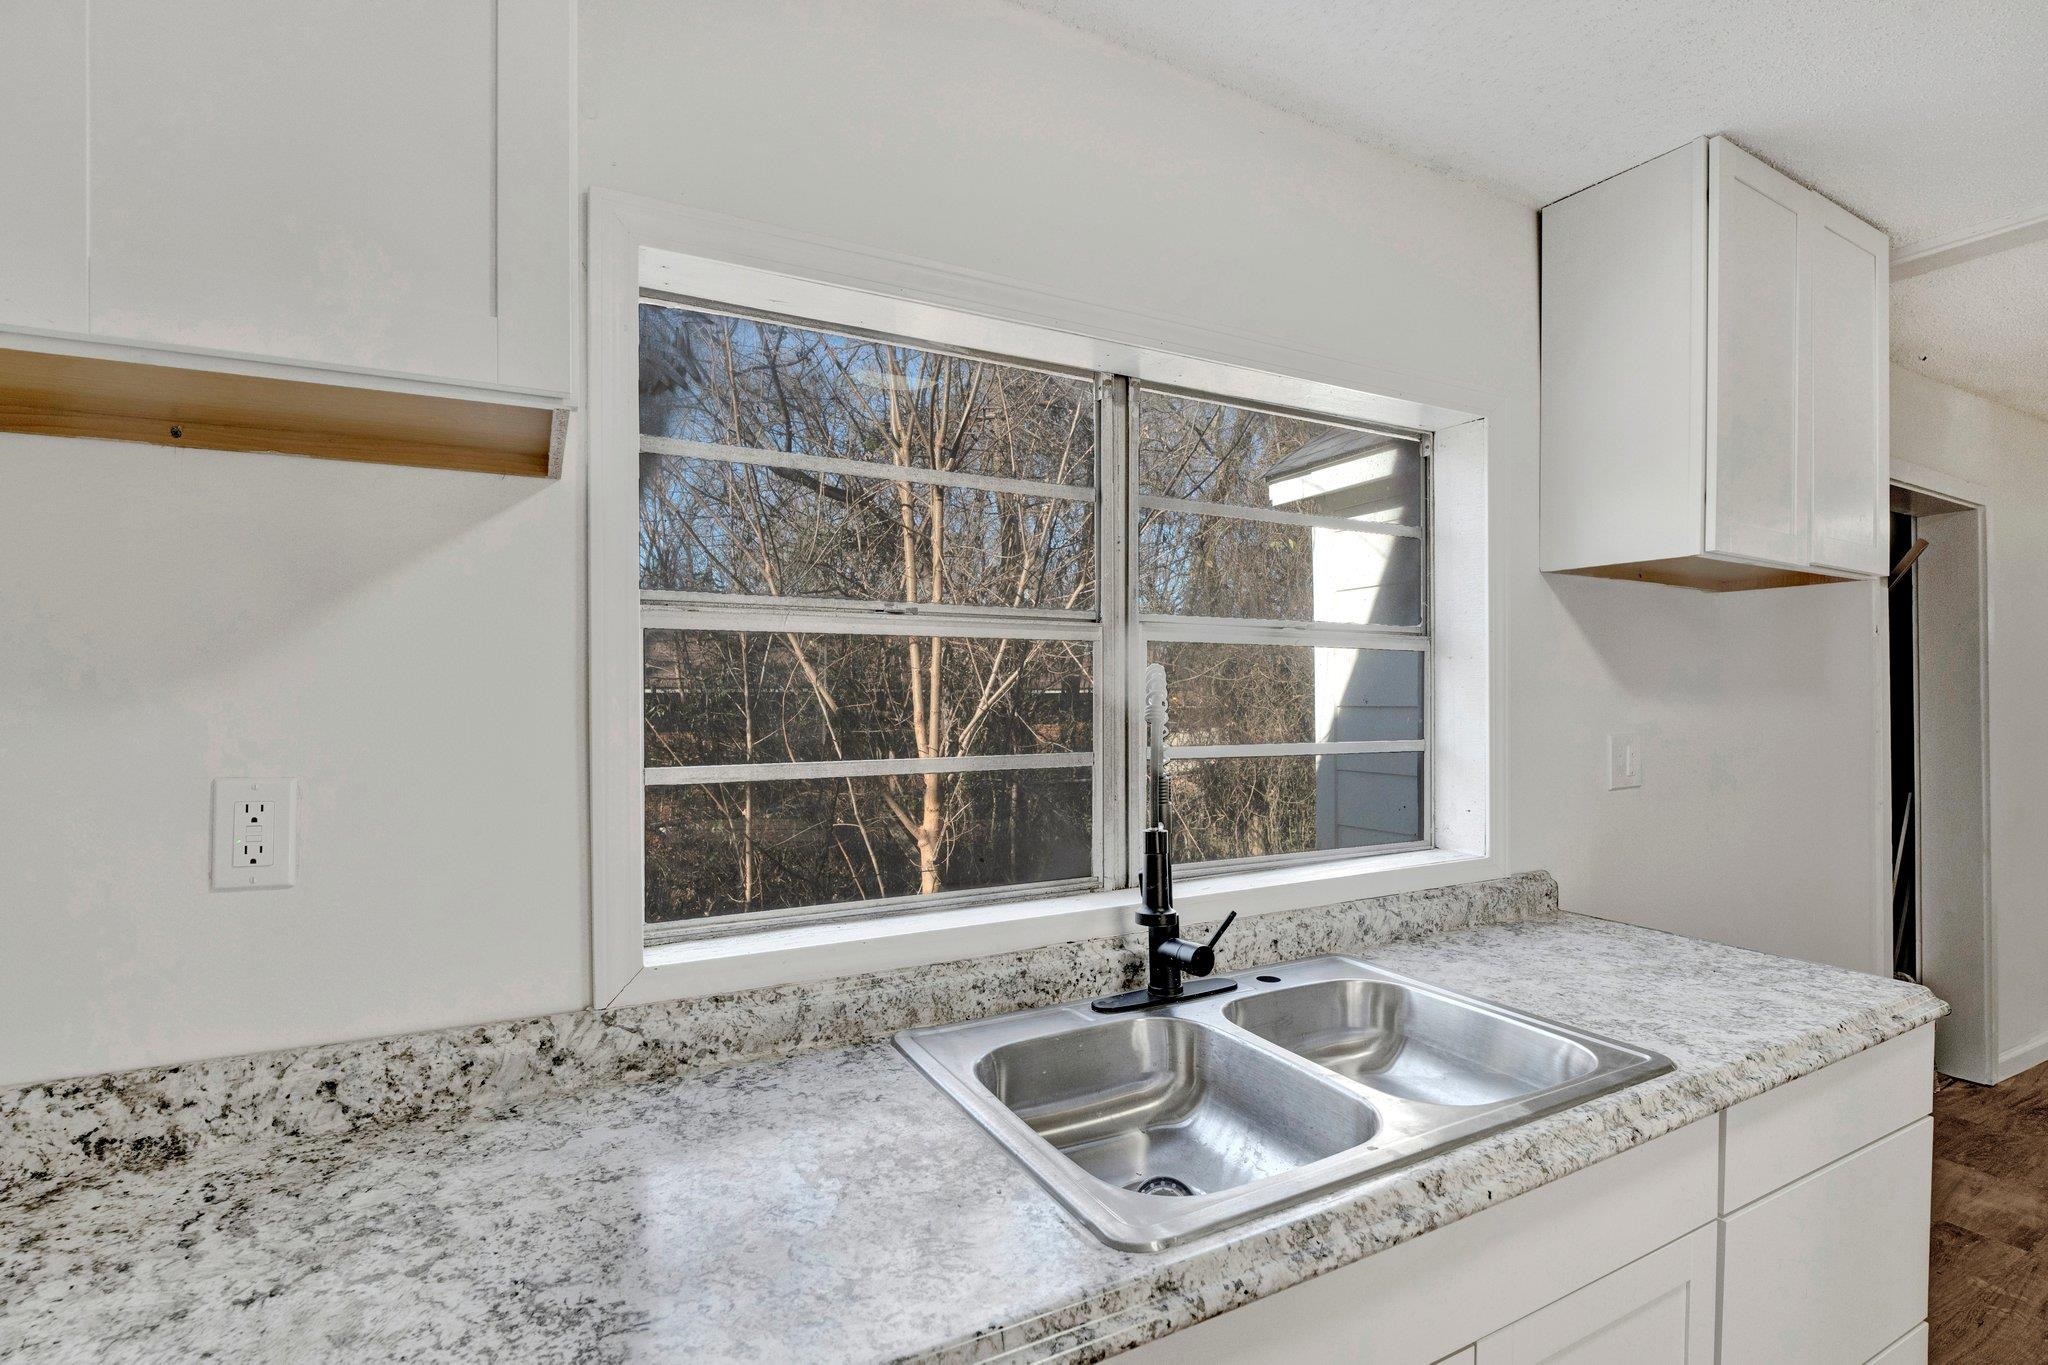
{"points": [[1155, 738]]}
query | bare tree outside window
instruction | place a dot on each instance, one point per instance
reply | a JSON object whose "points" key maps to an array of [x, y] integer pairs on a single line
{"points": [[821, 527], [873, 622]]}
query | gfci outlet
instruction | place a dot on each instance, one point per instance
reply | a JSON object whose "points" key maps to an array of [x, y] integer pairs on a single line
{"points": [[254, 839]]}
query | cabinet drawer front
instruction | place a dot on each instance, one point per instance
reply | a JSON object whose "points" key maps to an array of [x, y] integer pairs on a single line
{"points": [[1832, 1268], [1656, 1311], [1779, 1136]]}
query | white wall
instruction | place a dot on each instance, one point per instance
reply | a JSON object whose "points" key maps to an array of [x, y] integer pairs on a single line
{"points": [[413, 653], [1758, 822], [403, 641], [2005, 454]]}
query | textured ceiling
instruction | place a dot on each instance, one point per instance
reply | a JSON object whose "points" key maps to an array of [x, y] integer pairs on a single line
{"points": [[1981, 326], [1928, 119]]}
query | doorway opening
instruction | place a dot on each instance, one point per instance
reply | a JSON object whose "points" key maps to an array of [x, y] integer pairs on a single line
{"points": [[1907, 547], [1941, 927]]}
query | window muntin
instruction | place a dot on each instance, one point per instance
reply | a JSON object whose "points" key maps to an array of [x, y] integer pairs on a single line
{"points": [[826, 518]]}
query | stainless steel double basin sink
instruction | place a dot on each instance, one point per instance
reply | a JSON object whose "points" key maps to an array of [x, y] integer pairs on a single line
{"points": [[1157, 1127]]}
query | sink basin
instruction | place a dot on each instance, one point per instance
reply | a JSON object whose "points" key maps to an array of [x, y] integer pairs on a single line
{"points": [[1397, 1040], [1157, 1127], [1167, 1108]]}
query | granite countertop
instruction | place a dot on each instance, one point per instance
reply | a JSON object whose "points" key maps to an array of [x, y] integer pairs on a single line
{"points": [[833, 1205]]}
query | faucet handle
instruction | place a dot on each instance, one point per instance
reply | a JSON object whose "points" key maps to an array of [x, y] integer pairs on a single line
{"points": [[1199, 959]]}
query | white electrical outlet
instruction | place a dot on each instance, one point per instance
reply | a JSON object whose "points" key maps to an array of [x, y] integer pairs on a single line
{"points": [[253, 835], [1624, 762]]}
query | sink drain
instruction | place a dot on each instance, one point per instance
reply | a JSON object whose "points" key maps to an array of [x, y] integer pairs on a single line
{"points": [[1160, 1184]]}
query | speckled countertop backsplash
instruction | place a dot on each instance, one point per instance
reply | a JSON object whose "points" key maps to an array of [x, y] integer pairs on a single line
{"points": [[138, 1120]]}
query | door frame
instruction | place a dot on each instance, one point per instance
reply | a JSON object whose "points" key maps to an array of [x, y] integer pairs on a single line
{"points": [[1989, 1062]]}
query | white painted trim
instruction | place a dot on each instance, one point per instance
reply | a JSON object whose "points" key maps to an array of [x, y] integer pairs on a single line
{"points": [[1328, 634], [1986, 239], [690, 611], [535, 219], [1921, 478], [636, 242], [1881, 761], [2026, 1056], [822, 952], [1303, 749], [833, 769], [862, 469], [1188, 508], [1940, 483], [265, 367]]}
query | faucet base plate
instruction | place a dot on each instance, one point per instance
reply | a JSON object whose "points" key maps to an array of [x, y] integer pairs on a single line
{"points": [[1143, 999]]}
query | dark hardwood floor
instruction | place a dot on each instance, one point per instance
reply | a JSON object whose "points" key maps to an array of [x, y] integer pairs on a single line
{"points": [[1988, 1292]]}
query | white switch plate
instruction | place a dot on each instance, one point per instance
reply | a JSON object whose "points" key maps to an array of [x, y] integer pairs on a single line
{"points": [[254, 834], [1624, 762]]}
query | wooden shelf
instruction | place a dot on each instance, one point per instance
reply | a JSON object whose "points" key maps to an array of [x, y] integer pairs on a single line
{"points": [[1710, 575], [66, 395]]}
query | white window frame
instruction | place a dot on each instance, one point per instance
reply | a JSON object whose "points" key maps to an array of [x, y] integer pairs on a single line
{"points": [[637, 244]]}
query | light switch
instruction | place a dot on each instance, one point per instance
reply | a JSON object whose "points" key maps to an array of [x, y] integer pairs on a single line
{"points": [[253, 834], [1624, 762]]}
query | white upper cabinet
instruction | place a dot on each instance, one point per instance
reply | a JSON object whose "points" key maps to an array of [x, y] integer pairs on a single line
{"points": [[361, 185], [1756, 469], [1715, 378], [1848, 286]]}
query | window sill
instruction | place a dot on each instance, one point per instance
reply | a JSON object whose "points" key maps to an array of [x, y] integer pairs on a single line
{"points": [[822, 952]]}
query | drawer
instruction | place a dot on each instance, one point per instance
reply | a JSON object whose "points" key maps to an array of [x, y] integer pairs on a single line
{"points": [[1832, 1268], [1656, 1311], [1779, 1136]]}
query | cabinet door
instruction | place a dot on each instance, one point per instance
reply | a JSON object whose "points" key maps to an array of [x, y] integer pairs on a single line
{"points": [[1832, 1268], [43, 119], [1655, 1311], [1756, 452], [1848, 291], [297, 181], [364, 184]]}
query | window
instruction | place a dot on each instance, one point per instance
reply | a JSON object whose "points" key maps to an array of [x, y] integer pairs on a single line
{"points": [[893, 599]]}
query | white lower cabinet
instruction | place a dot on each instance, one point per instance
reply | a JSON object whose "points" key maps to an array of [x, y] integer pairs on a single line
{"points": [[1790, 1230], [1832, 1268], [1656, 1311], [1910, 1349]]}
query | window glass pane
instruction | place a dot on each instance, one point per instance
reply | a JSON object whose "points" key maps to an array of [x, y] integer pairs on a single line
{"points": [[1248, 807], [1192, 565], [1204, 451], [1288, 694], [760, 697], [737, 381], [715, 526], [730, 848]]}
